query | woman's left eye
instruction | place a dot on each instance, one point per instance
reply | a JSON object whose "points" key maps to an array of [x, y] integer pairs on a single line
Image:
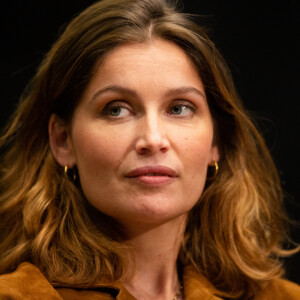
{"points": [[181, 110]]}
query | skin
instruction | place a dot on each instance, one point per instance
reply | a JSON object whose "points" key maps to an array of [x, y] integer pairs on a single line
{"points": [[145, 105]]}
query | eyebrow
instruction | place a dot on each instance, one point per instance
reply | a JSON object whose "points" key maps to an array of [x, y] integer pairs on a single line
{"points": [[124, 90], [185, 90], [113, 88]]}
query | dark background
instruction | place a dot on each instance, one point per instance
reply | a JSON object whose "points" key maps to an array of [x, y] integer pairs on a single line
{"points": [[259, 40]]}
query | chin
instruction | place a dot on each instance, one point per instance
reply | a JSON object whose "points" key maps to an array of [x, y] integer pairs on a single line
{"points": [[157, 214]]}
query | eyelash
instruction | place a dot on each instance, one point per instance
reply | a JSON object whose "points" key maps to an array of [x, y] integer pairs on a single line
{"points": [[108, 108], [106, 112], [182, 104]]}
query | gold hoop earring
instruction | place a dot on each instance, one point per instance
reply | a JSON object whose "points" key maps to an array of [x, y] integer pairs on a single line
{"points": [[66, 169], [215, 172]]}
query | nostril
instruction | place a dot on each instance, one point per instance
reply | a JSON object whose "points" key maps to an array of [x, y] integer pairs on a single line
{"points": [[143, 147], [164, 149], [142, 150], [151, 138]]}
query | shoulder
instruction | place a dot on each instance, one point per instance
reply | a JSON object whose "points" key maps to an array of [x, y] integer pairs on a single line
{"points": [[196, 286], [279, 289], [26, 282]]}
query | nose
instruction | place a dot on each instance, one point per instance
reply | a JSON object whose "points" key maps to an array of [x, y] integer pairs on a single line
{"points": [[152, 136]]}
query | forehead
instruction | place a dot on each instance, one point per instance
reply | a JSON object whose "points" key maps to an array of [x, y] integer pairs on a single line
{"points": [[146, 51], [157, 60]]}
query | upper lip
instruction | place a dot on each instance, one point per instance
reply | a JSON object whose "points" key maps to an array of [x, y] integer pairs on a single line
{"points": [[149, 170]]}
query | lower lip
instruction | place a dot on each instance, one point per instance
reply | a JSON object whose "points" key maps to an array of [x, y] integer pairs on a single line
{"points": [[153, 180]]}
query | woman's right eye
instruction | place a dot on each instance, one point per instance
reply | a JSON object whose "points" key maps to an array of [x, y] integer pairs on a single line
{"points": [[115, 110]]}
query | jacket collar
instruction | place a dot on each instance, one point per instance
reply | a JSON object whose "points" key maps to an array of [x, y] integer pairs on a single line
{"points": [[195, 286]]}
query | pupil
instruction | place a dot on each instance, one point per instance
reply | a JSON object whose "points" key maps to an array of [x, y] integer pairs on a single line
{"points": [[115, 111], [177, 110]]}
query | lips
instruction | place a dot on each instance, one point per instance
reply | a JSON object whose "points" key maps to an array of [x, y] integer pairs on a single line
{"points": [[152, 175], [152, 171]]}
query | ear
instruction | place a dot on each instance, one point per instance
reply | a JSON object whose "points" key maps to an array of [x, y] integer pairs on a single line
{"points": [[214, 155], [61, 142]]}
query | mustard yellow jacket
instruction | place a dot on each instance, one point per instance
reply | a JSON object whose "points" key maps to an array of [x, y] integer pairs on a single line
{"points": [[27, 282]]}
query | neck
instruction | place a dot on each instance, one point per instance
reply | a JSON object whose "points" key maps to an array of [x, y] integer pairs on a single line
{"points": [[155, 252]]}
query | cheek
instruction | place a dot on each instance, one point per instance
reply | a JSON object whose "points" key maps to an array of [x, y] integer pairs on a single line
{"points": [[195, 162], [197, 148], [97, 151], [98, 156]]}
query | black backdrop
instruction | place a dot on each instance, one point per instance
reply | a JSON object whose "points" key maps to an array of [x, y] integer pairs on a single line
{"points": [[259, 40]]}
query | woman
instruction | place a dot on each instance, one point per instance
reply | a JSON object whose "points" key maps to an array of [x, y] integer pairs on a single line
{"points": [[133, 172]]}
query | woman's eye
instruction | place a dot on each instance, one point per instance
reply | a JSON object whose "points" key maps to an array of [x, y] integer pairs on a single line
{"points": [[116, 111], [181, 110]]}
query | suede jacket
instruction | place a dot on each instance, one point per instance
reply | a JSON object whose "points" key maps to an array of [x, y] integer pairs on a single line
{"points": [[27, 282]]}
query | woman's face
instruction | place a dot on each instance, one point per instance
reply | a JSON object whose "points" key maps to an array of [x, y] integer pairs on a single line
{"points": [[142, 135]]}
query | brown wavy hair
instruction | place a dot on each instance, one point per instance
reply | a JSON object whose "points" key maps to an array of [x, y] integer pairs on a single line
{"points": [[234, 234]]}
